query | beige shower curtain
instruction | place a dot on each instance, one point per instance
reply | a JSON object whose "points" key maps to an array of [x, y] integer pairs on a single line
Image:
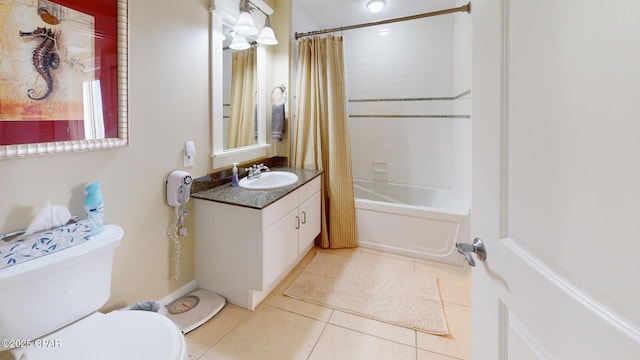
{"points": [[321, 139], [242, 130]]}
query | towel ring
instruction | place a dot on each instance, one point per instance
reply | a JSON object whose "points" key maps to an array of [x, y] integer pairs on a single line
{"points": [[282, 94]]}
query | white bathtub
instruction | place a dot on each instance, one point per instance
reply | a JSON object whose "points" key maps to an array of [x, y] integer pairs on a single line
{"points": [[416, 221]]}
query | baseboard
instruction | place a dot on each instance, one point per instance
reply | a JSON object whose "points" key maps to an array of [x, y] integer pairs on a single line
{"points": [[182, 291]]}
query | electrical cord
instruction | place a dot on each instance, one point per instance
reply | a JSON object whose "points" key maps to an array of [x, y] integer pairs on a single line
{"points": [[172, 235]]}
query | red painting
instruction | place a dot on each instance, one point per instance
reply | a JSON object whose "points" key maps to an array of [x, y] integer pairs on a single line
{"points": [[58, 70]]}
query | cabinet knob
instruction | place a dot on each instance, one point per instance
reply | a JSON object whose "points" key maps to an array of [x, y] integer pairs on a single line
{"points": [[304, 217], [297, 222]]}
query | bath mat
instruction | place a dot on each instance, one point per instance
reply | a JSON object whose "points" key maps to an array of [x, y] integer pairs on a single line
{"points": [[375, 292]]}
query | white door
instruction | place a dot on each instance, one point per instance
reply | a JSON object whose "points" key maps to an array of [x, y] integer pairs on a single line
{"points": [[556, 179]]}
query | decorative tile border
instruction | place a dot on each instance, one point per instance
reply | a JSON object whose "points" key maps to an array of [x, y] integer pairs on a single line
{"points": [[413, 116], [446, 98], [420, 116]]}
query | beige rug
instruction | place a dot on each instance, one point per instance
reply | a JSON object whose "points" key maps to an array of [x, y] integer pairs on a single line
{"points": [[371, 291]]}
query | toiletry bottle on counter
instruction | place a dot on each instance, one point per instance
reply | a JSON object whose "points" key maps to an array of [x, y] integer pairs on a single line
{"points": [[234, 176], [94, 207]]}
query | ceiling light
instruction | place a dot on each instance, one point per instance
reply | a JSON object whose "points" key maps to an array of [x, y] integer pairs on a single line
{"points": [[376, 6], [267, 37]]}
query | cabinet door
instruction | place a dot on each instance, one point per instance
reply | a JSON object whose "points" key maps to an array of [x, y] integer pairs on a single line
{"points": [[310, 221], [279, 247]]}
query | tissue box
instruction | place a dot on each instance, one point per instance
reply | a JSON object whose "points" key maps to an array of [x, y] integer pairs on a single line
{"points": [[43, 243]]}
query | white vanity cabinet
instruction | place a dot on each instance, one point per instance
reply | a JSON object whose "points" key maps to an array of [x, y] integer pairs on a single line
{"points": [[242, 253]]}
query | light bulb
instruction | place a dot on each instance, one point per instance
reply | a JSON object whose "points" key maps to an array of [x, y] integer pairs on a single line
{"points": [[239, 42], [245, 25], [376, 6], [267, 37]]}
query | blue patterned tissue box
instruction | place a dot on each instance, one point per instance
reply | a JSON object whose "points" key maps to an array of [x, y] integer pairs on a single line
{"points": [[43, 243]]}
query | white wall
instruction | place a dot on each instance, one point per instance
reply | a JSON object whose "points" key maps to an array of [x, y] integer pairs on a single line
{"points": [[278, 60], [168, 104]]}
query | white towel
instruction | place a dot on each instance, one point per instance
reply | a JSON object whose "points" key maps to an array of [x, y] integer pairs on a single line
{"points": [[277, 122]]}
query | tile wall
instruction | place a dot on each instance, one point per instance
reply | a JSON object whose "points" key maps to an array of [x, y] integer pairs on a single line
{"points": [[409, 85]]}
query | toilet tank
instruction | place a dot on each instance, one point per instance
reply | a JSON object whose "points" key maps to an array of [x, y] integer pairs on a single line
{"points": [[44, 294]]}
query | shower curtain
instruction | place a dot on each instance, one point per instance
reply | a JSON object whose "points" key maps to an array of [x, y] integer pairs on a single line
{"points": [[321, 139], [242, 130]]}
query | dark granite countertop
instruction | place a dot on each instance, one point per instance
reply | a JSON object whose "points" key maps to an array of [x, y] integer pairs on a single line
{"points": [[257, 199]]}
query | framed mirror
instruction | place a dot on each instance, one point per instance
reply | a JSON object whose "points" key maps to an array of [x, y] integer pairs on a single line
{"points": [[63, 76], [252, 118]]}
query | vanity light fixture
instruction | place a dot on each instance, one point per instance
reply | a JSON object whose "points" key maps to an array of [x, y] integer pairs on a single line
{"points": [[267, 37], [245, 24], [375, 6], [239, 42]]}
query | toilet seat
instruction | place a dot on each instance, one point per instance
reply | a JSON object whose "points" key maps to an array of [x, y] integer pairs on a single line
{"points": [[115, 335]]}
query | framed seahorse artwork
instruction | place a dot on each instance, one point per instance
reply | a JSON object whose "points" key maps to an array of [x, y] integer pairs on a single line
{"points": [[60, 71]]}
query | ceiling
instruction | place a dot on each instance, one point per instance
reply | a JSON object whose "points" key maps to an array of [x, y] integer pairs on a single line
{"points": [[336, 13]]}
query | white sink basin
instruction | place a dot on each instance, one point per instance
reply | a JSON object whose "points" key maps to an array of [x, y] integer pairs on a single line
{"points": [[269, 180]]}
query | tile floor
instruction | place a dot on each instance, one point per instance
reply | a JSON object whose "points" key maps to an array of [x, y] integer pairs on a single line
{"points": [[282, 328]]}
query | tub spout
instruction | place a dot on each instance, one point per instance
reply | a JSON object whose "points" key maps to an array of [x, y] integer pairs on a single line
{"points": [[477, 248], [466, 254]]}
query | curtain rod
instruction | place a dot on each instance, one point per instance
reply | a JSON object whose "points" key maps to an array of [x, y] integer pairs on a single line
{"points": [[464, 8]]}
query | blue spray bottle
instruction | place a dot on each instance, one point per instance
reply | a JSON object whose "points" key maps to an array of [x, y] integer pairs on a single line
{"points": [[94, 207]]}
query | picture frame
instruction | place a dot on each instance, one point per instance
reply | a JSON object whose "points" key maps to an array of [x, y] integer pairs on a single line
{"points": [[66, 89]]}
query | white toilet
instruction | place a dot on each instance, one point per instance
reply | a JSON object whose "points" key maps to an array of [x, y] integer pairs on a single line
{"points": [[49, 310]]}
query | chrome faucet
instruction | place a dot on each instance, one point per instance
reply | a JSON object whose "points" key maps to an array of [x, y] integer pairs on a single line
{"points": [[254, 171]]}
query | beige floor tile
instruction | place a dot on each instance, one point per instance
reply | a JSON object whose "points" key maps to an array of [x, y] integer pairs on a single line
{"points": [[269, 333], [454, 281], [337, 343], [281, 301], [208, 334], [286, 282], [307, 258], [376, 328], [294, 273], [458, 343], [443, 269], [428, 355], [286, 328]]}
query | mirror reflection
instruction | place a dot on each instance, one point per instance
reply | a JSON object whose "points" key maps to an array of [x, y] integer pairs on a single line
{"points": [[239, 94]]}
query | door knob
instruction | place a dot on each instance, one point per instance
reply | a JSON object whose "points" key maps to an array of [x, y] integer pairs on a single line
{"points": [[477, 247]]}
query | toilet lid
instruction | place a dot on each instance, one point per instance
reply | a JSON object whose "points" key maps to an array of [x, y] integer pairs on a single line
{"points": [[116, 335]]}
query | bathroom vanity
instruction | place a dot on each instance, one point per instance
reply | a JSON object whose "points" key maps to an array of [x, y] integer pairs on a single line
{"points": [[247, 241]]}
